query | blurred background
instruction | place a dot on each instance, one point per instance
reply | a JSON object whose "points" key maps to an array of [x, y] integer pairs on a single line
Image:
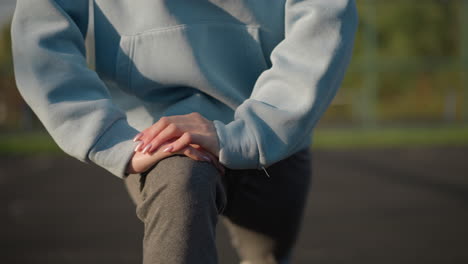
{"points": [[390, 181]]}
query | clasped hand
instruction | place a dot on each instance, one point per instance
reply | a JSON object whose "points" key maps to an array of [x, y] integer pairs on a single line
{"points": [[191, 135]]}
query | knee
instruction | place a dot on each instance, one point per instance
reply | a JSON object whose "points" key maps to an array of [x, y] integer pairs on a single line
{"points": [[179, 180], [184, 176]]}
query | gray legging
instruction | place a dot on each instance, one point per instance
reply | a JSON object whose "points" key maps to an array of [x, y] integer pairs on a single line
{"points": [[179, 201]]}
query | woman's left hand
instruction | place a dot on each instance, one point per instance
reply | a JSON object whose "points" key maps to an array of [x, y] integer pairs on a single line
{"points": [[185, 129]]}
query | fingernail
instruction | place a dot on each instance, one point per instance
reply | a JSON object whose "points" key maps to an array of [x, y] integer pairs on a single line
{"points": [[137, 137], [168, 149], [137, 148], [146, 149], [206, 158]]}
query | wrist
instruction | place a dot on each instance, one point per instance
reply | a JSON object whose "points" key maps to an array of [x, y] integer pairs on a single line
{"points": [[130, 169]]}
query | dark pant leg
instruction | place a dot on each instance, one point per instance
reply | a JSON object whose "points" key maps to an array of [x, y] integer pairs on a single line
{"points": [[178, 201], [263, 214]]}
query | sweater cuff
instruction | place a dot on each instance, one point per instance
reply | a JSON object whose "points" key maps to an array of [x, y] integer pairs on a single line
{"points": [[237, 147], [115, 148]]}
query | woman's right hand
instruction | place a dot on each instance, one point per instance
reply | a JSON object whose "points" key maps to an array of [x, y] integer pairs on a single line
{"points": [[141, 162]]}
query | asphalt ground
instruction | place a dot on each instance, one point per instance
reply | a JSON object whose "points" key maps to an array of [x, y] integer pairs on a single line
{"points": [[367, 206]]}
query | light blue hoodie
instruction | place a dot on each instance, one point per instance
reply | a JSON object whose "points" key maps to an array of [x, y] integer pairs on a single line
{"points": [[264, 71]]}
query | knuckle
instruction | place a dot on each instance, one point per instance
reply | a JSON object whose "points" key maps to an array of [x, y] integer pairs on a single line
{"points": [[188, 136], [196, 115], [164, 120], [205, 126], [151, 129], [172, 127]]}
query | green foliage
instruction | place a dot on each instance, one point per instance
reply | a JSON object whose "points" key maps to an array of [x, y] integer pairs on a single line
{"points": [[415, 29], [406, 61]]}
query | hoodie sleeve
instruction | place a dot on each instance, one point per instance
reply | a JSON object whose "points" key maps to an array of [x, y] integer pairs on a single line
{"points": [[70, 99], [288, 99]]}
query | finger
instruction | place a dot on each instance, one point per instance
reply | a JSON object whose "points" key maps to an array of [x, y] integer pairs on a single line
{"points": [[164, 145], [151, 132], [213, 157], [137, 137], [193, 121], [196, 146], [195, 154], [138, 147], [180, 143], [214, 160], [187, 138], [170, 132]]}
